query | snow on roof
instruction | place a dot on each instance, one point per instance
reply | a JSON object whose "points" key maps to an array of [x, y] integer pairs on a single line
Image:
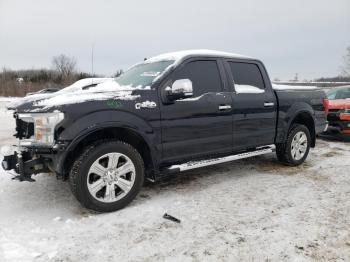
{"points": [[179, 55]]}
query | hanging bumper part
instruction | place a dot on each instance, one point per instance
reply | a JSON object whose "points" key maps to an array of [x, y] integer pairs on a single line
{"points": [[23, 164]]}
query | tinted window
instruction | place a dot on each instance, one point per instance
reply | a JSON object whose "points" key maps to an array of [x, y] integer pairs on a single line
{"points": [[247, 74], [204, 75], [343, 93]]}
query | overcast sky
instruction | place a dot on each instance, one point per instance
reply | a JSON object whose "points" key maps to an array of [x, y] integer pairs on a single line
{"points": [[291, 36]]}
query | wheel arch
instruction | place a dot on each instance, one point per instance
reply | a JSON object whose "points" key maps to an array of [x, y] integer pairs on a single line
{"points": [[109, 132], [305, 117]]}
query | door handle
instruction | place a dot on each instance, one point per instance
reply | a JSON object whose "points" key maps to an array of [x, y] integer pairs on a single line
{"points": [[224, 107], [269, 104]]}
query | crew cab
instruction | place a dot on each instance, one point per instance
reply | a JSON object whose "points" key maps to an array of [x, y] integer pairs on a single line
{"points": [[167, 114]]}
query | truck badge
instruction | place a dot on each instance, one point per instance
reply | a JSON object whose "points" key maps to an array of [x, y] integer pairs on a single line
{"points": [[145, 104]]}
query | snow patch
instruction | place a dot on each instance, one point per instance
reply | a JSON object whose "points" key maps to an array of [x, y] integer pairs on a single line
{"points": [[289, 87], [179, 55], [7, 99], [80, 97], [107, 89], [77, 86], [6, 150], [248, 89], [80, 84]]}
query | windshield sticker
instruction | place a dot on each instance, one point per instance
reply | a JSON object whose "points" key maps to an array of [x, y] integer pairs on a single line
{"points": [[151, 74], [114, 104]]}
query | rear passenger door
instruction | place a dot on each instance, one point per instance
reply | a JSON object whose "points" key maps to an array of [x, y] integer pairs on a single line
{"points": [[200, 125], [254, 105]]}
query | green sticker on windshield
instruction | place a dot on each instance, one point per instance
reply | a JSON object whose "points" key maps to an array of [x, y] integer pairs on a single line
{"points": [[114, 104]]}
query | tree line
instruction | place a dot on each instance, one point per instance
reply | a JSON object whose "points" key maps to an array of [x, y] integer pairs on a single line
{"points": [[63, 73]]}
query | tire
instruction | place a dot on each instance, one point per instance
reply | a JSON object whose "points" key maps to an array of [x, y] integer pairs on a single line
{"points": [[295, 149], [107, 176]]}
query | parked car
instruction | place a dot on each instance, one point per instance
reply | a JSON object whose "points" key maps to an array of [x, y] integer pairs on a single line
{"points": [[44, 91], [339, 112], [167, 114]]}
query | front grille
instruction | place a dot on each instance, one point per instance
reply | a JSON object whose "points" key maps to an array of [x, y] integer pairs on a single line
{"points": [[24, 129], [333, 115], [333, 110]]}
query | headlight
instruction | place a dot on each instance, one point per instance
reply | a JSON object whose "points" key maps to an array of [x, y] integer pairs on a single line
{"points": [[44, 127], [345, 115]]}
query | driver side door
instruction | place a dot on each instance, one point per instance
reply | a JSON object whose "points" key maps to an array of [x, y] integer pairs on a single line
{"points": [[202, 124]]}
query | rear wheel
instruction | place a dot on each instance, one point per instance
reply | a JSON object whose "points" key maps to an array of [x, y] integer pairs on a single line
{"points": [[297, 146], [107, 176]]}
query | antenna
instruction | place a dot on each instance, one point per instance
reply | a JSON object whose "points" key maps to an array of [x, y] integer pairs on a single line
{"points": [[92, 63]]}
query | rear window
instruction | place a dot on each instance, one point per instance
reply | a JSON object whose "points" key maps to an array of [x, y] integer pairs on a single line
{"points": [[247, 75]]}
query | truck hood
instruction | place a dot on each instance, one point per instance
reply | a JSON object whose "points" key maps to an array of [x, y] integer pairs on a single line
{"points": [[339, 104], [50, 102], [77, 86]]}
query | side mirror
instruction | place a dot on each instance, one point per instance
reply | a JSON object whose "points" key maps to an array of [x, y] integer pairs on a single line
{"points": [[181, 88]]}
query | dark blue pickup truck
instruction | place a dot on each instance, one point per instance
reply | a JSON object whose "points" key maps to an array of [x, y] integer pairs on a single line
{"points": [[167, 114]]}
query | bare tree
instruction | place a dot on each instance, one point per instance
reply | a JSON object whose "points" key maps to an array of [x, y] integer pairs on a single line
{"points": [[345, 69], [118, 73], [64, 65]]}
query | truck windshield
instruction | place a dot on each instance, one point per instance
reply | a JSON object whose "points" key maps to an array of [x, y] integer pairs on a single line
{"points": [[343, 93], [142, 75]]}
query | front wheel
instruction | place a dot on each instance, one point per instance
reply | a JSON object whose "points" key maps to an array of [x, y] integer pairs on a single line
{"points": [[297, 146], [107, 176]]}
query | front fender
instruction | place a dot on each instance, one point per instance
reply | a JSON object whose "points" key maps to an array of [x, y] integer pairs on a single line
{"points": [[106, 118], [76, 131]]}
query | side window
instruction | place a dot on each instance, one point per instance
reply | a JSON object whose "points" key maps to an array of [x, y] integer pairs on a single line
{"points": [[247, 77], [204, 75]]}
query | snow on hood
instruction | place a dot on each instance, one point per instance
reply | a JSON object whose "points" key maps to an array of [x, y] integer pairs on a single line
{"points": [[83, 83], [106, 90], [290, 87], [20, 101], [77, 86]]}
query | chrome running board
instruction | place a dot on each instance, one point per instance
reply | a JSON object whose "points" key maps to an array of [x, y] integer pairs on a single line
{"points": [[208, 162]]}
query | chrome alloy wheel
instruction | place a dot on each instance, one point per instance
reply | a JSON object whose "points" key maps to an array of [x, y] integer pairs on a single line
{"points": [[299, 145], [111, 177]]}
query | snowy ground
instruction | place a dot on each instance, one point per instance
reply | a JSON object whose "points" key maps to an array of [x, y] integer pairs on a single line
{"points": [[250, 210]]}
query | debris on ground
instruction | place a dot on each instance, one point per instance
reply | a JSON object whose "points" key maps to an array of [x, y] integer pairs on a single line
{"points": [[169, 217]]}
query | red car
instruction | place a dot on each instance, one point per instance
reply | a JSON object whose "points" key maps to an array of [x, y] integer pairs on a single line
{"points": [[339, 112]]}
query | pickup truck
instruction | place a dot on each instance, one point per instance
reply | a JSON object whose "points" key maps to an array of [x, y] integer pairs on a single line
{"points": [[339, 113], [167, 114]]}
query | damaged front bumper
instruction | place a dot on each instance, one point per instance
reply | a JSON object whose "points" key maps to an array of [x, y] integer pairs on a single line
{"points": [[23, 162]]}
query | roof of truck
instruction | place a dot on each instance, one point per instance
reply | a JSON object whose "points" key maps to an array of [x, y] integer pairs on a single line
{"points": [[180, 55]]}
